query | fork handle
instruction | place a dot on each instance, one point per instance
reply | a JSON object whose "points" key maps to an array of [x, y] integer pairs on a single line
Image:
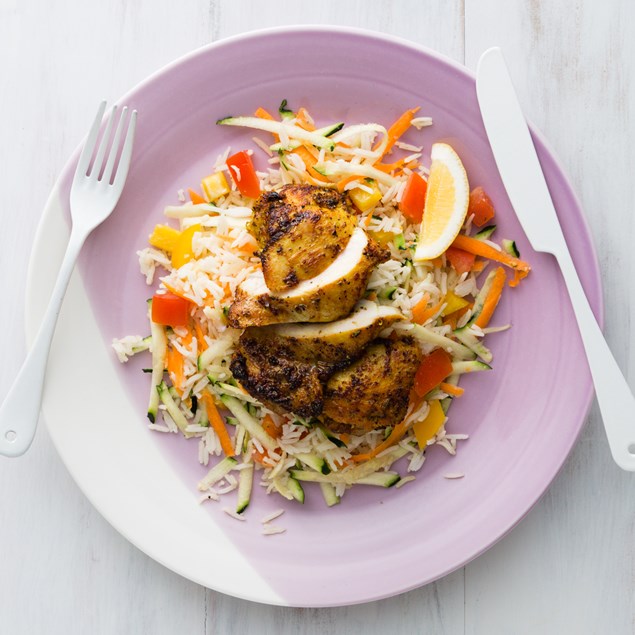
{"points": [[20, 411], [615, 399]]}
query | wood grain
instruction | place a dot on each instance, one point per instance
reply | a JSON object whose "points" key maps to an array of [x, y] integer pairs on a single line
{"points": [[568, 568]]}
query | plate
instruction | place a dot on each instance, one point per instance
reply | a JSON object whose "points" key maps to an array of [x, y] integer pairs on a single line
{"points": [[523, 417]]}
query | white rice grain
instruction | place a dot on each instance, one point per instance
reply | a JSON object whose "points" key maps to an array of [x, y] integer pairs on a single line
{"points": [[270, 530], [209, 496], [158, 428], [404, 480], [126, 347], [233, 514], [262, 145], [272, 516], [421, 122], [453, 475], [169, 422], [408, 147], [416, 462]]}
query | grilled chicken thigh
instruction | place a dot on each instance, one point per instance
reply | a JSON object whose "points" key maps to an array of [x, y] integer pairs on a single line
{"points": [[315, 267], [326, 297], [300, 231], [281, 383], [373, 392], [287, 366]]}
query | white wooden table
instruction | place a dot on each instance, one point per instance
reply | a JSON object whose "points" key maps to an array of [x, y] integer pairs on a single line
{"points": [[570, 566]]}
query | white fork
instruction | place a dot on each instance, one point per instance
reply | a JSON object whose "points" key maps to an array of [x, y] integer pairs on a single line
{"points": [[94, 194]]}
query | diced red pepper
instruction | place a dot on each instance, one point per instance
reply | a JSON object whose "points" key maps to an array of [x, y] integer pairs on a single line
{"points": [[433, 370], [244, 174], [169, 309], [481, 206], [413, 198], [461, 260]]}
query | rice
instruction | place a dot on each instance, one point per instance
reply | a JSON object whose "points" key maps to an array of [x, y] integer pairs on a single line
{"points": [[128, 346], [224, 254], [209, 496], [404, 480], [272, 516], [270, 530], [233, 514]]}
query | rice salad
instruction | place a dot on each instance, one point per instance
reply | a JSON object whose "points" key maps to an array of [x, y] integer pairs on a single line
{"points": [[204, 251]]}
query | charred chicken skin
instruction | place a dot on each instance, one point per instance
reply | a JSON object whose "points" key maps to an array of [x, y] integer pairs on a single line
{"points": [[300, 231], [373, 392]]}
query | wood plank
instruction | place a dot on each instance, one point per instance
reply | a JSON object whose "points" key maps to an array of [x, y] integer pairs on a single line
{"points": [[568, 567], [436, 608]]}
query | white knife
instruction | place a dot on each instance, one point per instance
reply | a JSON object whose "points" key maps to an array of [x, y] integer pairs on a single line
{"points": [[524, 181]]}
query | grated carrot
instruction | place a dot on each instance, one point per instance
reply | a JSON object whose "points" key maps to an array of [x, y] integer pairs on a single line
{"points": [[263, 114], [309, 161], [260, 457], [450, 389], [304, 120], [216, 421], [341, 184], [389, 167], [176, 291], [270, 427], [480, 248], [453, 318], [186, 340], [175, 365], [196, 198], [200, 337], [413, 165], [398, 129], [421, 313], [492, 299], [395, 436]]}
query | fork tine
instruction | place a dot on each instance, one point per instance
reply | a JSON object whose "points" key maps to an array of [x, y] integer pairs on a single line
{"points": [[91, 140], [103, 145], [124, 161], [114, 147]]}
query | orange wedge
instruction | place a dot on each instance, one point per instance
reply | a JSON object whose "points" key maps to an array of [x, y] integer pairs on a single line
{"points": [[446, 204]]}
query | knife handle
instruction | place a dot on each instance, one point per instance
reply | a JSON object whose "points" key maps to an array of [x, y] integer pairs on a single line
{"points": [[614, 396]]}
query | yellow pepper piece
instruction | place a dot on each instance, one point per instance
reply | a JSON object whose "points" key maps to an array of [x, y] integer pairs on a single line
{"points": [[383, 238], [182, 250], [214, 186], [453, 303], [426, 428], [164, 237], [363, 200]]}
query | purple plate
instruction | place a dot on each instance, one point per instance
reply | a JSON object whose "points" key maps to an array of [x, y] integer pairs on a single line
{"points": [[523, 417]]}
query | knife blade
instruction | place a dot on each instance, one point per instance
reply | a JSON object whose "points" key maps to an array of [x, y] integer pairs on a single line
{"points": [[522, 176], [514, 152]]}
